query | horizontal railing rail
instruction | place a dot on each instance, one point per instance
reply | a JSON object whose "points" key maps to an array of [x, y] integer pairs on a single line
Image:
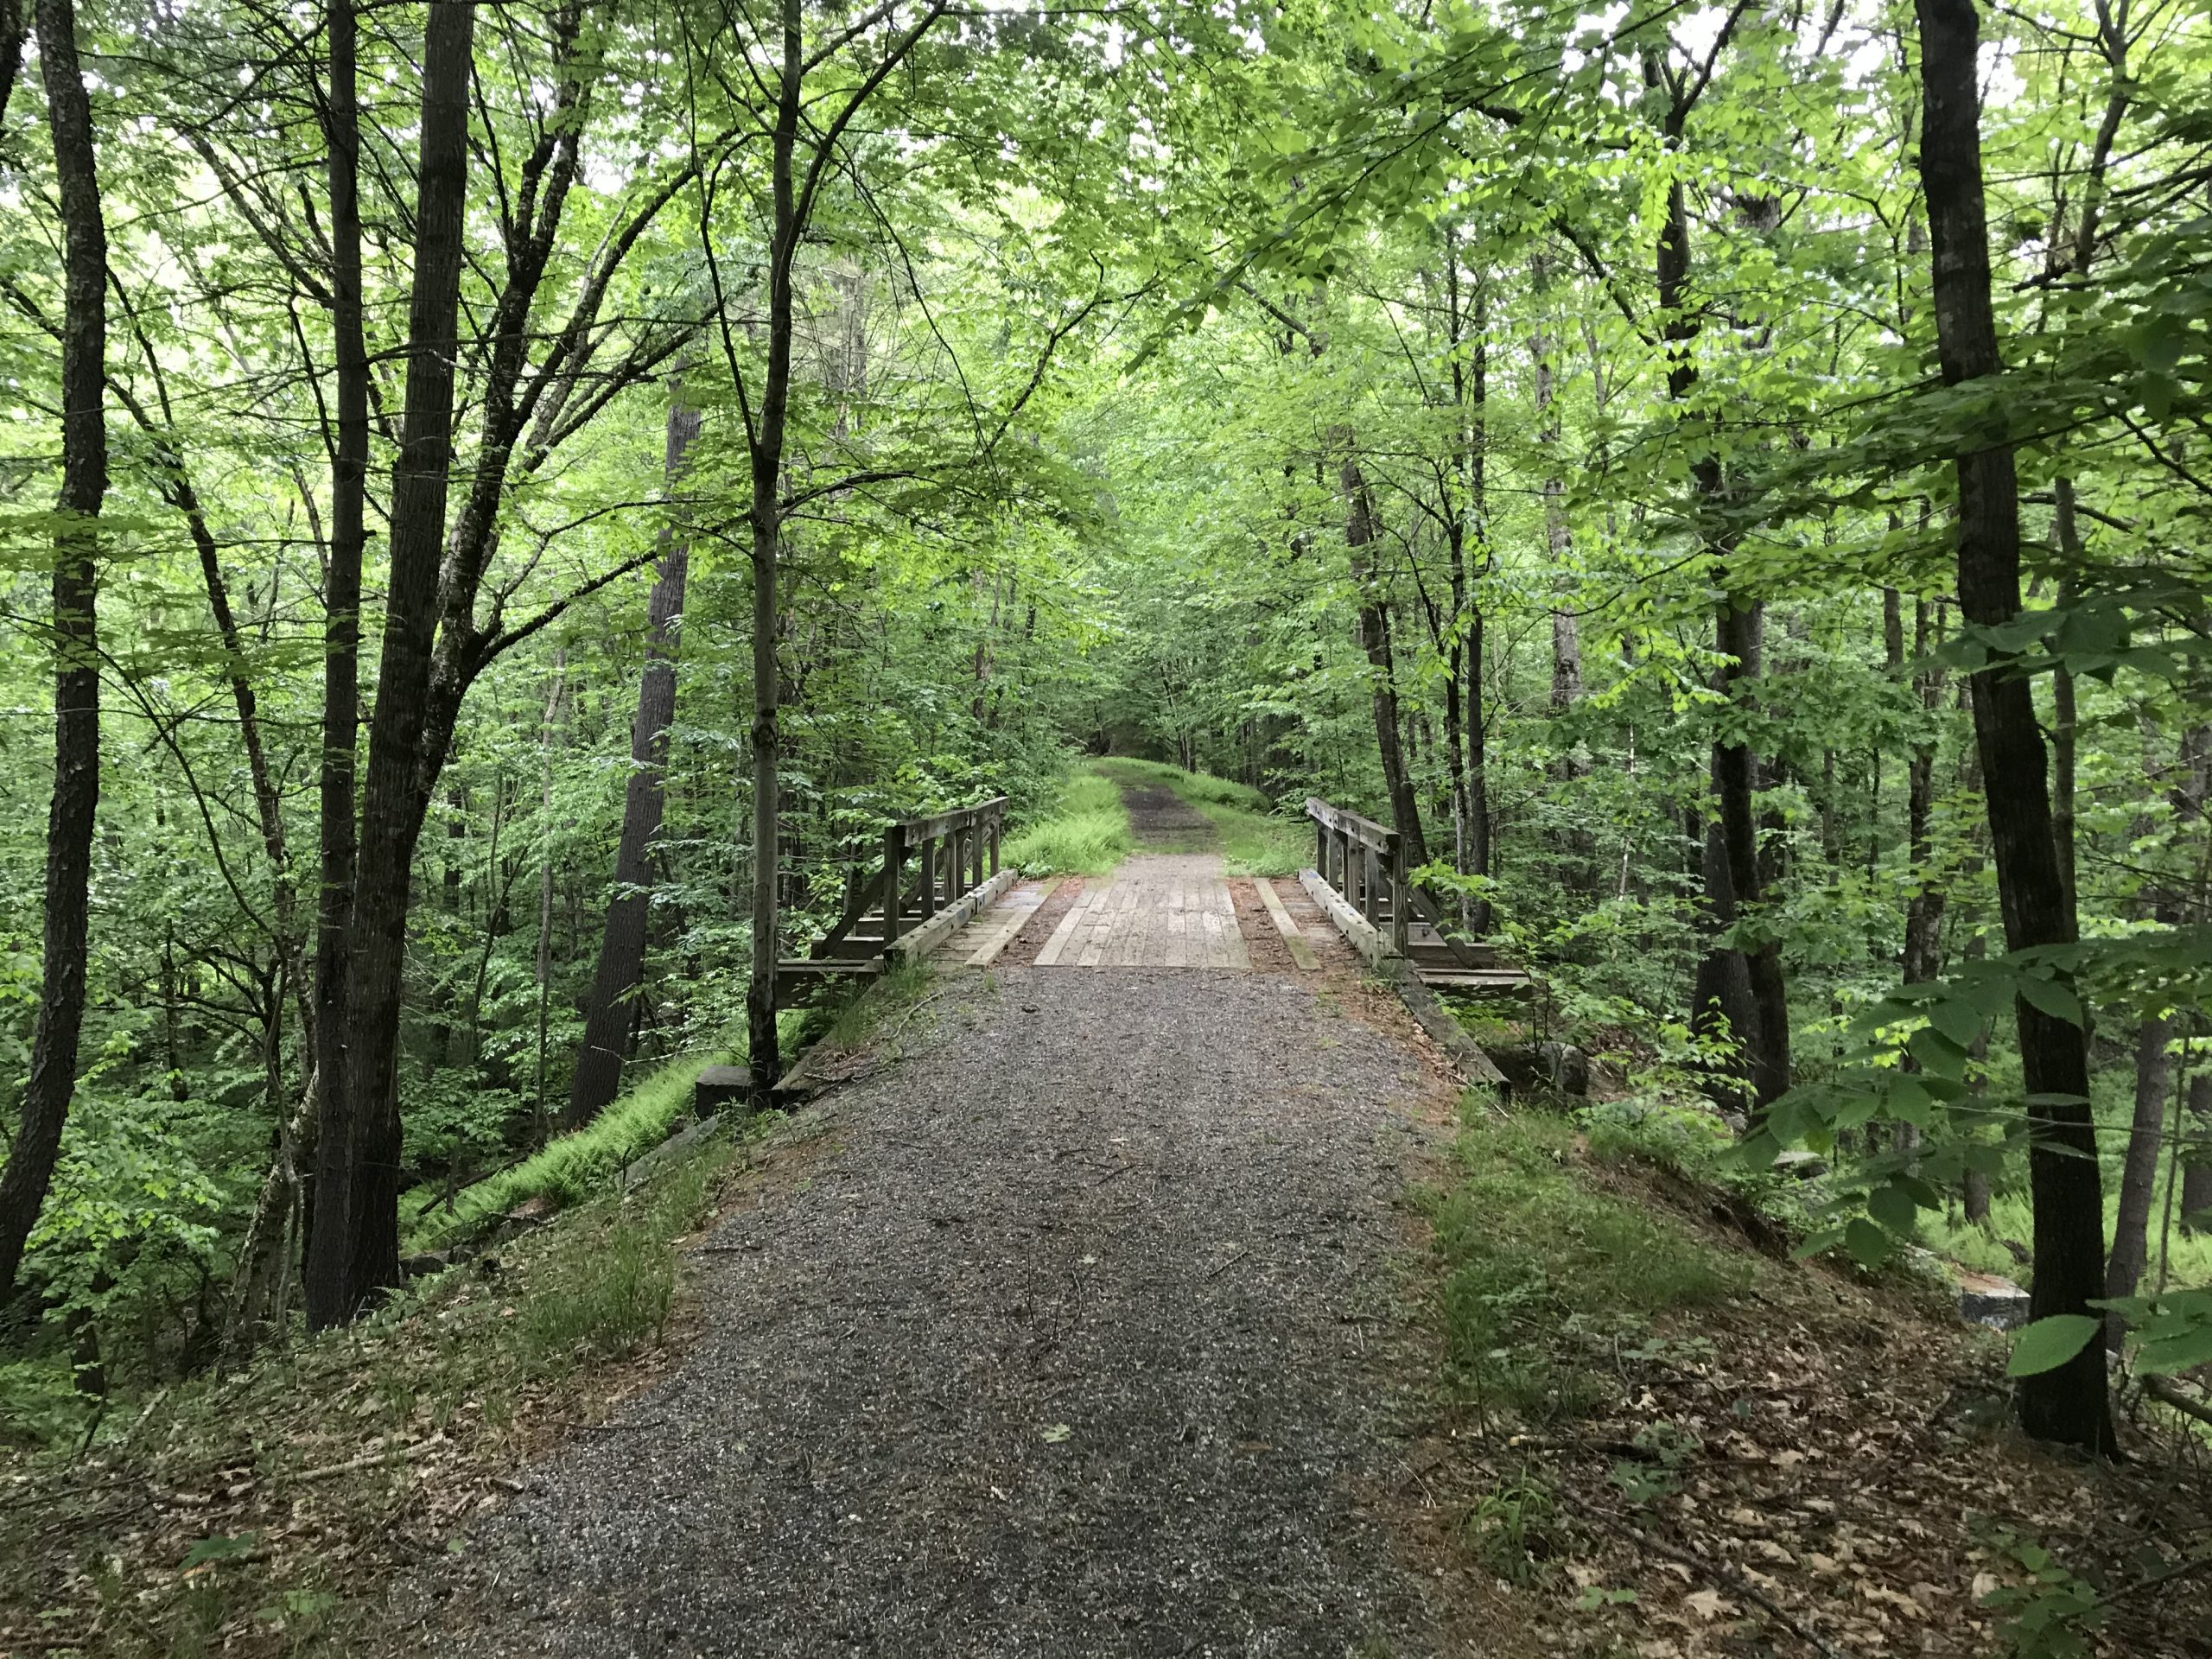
{"points": [[951, 853], [1365, 862]]}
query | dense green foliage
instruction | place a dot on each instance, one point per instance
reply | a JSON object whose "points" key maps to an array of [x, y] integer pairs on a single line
{"points": [[1301, 396]]}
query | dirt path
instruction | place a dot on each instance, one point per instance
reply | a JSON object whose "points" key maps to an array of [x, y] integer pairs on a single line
{"points": [[1079, 1339], [1163, 821]]}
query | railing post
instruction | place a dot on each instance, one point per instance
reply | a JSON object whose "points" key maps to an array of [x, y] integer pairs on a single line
{"points": [[895, 870], [1320, 850], [1400, 911], [996, 818], [929, 877], [1367, 882]]}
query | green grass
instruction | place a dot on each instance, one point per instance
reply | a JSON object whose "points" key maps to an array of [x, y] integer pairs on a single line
{"points": [[570, 1167], [1252, 838], [1547, 1272], [1198, 788], [1088, 833], [610, 1292], [1983, 1248]]}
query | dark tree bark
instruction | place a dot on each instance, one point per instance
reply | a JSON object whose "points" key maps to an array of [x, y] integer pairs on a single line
{"points": [[2196, 1125], [1559, 540], [622, 946], [353, 1250], [2196, 1158], [1470, 320], [12, 34], [1375, 640], [2068, 1403], [1923, 915], [547, 733], [767, 424], [337, 847], [75, 804], [1736, 623], [1735, 777], [2112, 42]]}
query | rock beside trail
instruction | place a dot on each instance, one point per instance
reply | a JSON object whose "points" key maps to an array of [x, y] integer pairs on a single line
{"points": [[1986, 1299], [1557, 1068]]}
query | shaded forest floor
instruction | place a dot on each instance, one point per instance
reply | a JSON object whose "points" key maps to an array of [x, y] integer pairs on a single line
{"points": [[1664, 1437]]}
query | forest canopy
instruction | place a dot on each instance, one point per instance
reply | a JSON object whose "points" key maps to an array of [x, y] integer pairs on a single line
{"points": [[503, 504]]}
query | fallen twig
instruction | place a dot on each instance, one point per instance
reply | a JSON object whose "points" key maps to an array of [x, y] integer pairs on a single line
{"points": [[2168, 1392], [1728, 1578], [369, 1460]]}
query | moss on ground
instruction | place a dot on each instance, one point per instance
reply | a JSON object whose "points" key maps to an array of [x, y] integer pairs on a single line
{"points": [[1547, 1271]]}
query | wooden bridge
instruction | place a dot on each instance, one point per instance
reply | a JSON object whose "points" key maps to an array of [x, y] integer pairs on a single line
{"points": [[937, 875]]}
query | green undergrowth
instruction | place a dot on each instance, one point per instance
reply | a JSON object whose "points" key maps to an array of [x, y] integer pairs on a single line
{"points": [[1087, 833], [458, 1367], [646, 1113], [568, 1166], [2185, 1256], [1693, 1143], [1549, 1273], [1252, 838]]}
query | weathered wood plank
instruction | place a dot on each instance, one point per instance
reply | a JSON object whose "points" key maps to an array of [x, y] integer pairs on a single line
{"points": [[1175, 952], [1365, 831], [1101, 929], [1234, 950], [1058, 944], [1017, 916], [1293, 941]]}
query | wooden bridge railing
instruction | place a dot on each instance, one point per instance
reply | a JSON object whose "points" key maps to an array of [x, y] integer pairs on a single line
{"points": [[951, 854], [1364, 862]]}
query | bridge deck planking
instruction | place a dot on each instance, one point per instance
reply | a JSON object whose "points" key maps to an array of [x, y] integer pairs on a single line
{"points": [[1140, 918]]}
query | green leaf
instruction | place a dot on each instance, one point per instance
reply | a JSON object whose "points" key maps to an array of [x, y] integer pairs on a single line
{"points": [[2054, 999], [1868, 1245], [1893, 1207], [1959, 1020], [220, 1548], [2047, 1343]]}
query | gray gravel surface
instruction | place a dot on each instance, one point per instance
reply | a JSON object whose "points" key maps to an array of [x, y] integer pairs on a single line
{"points": [[1081, 1341]]}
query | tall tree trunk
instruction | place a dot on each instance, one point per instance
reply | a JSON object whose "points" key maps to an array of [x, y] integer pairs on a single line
{"points": [[2068, 1403], [337, 847], [1735, 777], [766, 455], [2197, 1158], [622, 946], [2138, 1176], [1559, 540], [1482, 854], [1923, 915], [12, 35], [1766, 1036], [354, 1248], [540, 1115], [2112, 40], [2195, 1129], [60, 1022], [1375, 640]]}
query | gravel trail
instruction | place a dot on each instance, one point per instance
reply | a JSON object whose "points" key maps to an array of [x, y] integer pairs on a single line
{"points": [[1079, 1340]]}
